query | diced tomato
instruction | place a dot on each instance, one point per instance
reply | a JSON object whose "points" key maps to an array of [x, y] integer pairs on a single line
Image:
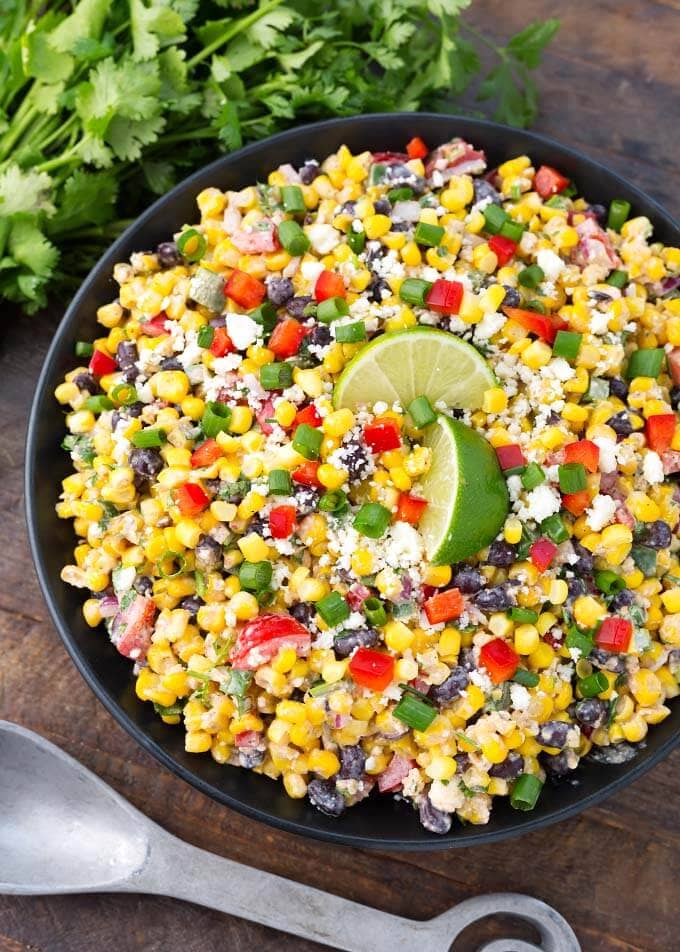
{"points": [[248, 739], [245, 290], [264, 415], [308, 415], [576, 503], [660, 430], [410, 508], [382, 435], [673, 360], [191, 499], [264, 636], [583, 451], [503, 248], [357, 595], [542, 552], [221, 343], [548, 181], [282, 521], [624, 517], [444, 606], [156, 326], [286, 338], [132, 628], [614, 634], [544, 326], [416, 148], [257, 242], [445, 296], [510, 456], [328, 285], [101, 363], [671, 462], [390, 157], [371, 669], [306, 475], [395, 773], [207, 453], [499, 659]]}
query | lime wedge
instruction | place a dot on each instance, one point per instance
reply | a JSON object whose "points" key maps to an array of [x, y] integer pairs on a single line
{"points": [[407, 364], [465, 490]]}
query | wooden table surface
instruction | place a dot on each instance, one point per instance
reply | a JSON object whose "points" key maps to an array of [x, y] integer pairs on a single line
{"points": [[607, 87]]}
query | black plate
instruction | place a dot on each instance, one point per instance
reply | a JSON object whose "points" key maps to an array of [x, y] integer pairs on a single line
{"points": [[378, 822]]}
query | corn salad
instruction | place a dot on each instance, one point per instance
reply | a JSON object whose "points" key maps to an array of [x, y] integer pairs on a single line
{"points": [[255, 551]]}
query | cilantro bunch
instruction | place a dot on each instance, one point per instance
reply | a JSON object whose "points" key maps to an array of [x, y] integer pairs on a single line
{"points": [[105, 104]]}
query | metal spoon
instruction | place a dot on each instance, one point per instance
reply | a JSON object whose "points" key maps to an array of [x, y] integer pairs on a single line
{"points": [[63, 830]]}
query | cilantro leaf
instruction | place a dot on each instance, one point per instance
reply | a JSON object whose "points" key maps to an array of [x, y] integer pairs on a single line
{"points": [[86, 22], [528, 45], [152, 27], [87, 199], [25, 191]]}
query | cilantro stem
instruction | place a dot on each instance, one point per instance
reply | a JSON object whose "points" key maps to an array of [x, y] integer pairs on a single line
{"points": [[238, 27], [60, 160], [498, 50]]}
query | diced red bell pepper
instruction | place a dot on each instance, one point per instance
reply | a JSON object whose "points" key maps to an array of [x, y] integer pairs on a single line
{"points": [[499, 659], [660, 430], [673, 360], [245, 290], [191, 499], [445, 296], [444, 606], [382, 435], [264, 636], [548, 181], [286, 338], [393, 776], [416, 148], [583, 451], [306, 475], [510, 456], [101, 363], [156, 326], [542, 552], [576, 503], [221, 343], [372, 669], [308, 415], [614, 634], [207, 453], [357, 595], [503, 248], [410, 508], [544, 326], [328, 285], [248, 739], [132, 628], [282, 521]]}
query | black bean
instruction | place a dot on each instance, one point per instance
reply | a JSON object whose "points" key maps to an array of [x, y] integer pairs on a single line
{"points": [[375, 289], [556, 765], [620, 424], [170, 363], [348, 208], [434, 820], [599, 658], [126, 354], [463, 761], [296, 306], [621, 600], [374, 252], [600, 212], [309, 171], [508, 769], [249, 757], [584, 566], [591, 711], [576, 587], [168, 255], [512, 297], [219, 321], [401, 226], [135, 409], [280, 290], [191, 604], [347, 641], [675, 398], [382, 206], [306, 500], [86, 382], [302, 612], [324, 796], [456, 682], [208, 553], [501, 554], [355, 460], [468, 580], [484, 189], [614, 754], [320, 335], [495, 599], [212, 486], [553, 734], [352, 763], [467, 659], [657, 535], [618, 388], [143, 585], [146, 462]]}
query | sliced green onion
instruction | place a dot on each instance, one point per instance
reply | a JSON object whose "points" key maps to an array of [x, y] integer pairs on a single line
{"points": [[528, 678], [532, 476], [645, 559], [554, 528], [124, 394], [572, 477], [526, 792], [171, 710], [401, 194], [494, 218], [579, 640], [515, 193], [191, 244], [255, 576], [426, 234], [292, 199], [350, 333], [421, 412], [531, 277], [415, 712], [276, 376], [619, 210], [374, 610], [356, 240], [148, 438], [334, 502], [322, 687], [567, 344], [265, 315], [609, 582], [216, 418], [199, 580], [333, 609], [204, 338], [512, 229], [307, 440], [99, 403], [293, 239], [557, 201], [594, 684], [372, 520], [525, 616], [618, 279], [280, 483], [535, 305], [331, 309], [645, 362], [414, 291], [84, 348], [174, 557], [376, 173]]}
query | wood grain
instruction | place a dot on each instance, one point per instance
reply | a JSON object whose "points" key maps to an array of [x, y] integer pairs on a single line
{"points": [[607, 87]]}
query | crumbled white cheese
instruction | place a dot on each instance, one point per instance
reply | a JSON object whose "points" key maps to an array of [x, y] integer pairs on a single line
{"points": [[519, 697], [550, 263], [323, 238], [652, 468], [601, 512], [447, 797], [599, 322], [242, 330], [489, 325], [540, 503], [607, 449]]}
